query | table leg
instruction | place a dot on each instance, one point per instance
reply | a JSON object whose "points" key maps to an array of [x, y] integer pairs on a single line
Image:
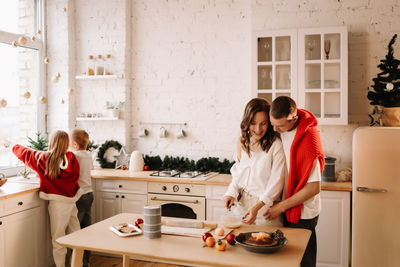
{"points": [[77, 257], [125, 261]]}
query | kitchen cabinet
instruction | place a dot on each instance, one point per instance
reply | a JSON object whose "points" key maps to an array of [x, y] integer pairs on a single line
{"points": [[309, 65], [117, 196], [214, 205], [24, 232], [333, 229]]}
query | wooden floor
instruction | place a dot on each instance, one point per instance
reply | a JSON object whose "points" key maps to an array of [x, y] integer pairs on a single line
{"points": [[102, 261]]}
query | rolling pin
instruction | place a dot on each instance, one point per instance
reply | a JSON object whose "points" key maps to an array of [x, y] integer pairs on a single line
{"points": [[188, 224]]}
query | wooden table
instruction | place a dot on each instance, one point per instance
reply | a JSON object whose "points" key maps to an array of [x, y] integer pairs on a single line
{"points": [[181, 249]]}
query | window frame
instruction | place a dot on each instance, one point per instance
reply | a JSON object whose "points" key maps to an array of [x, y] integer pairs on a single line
{"points": [[39, 45]]}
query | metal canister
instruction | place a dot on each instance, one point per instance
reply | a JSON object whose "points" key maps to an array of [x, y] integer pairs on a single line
{"points": [[328, 175]]}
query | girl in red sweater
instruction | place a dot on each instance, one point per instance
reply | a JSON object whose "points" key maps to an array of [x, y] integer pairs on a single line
{"points": [[59, 173]]}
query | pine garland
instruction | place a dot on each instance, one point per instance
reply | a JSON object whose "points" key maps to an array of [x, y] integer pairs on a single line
{"points": [[185, 164], [102, 150]]}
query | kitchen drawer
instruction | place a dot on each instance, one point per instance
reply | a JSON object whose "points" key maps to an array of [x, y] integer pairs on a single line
{"points": [[138, 187], [20, 203], [215, 191]]}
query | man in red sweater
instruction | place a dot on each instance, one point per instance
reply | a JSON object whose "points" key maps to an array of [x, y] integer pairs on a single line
{"points": [[305, 161]]}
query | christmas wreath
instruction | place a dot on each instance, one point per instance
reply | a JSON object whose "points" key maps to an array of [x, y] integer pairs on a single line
{"points": [[102, 151]]}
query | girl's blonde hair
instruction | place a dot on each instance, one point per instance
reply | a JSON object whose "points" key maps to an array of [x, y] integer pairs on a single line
{"points": [[58, 147], [256, 105]]}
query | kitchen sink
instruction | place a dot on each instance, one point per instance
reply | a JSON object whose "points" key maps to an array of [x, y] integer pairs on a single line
{"points": [[31, 179]]}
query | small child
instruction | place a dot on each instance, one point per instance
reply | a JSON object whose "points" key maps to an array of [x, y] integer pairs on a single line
{"points": [[58, 170], [79, 142]]}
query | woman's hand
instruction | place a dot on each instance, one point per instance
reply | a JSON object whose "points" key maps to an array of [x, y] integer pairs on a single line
{"points": [[250, 216], [228, 201]]}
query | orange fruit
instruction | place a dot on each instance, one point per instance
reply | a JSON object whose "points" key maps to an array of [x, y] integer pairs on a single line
{"points": [[210, 241], [221, 245]]}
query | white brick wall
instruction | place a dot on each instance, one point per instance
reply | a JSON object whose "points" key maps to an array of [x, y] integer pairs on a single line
{"points": [[189, 61]]}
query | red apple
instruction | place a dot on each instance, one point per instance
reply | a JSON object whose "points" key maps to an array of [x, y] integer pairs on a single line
{"points": [[231, 239], [146, 167], [123, 167]]}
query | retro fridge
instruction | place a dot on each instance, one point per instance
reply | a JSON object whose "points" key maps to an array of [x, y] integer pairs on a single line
{"points": [[376, 197]]}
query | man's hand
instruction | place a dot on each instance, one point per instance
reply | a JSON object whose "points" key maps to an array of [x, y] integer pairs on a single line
{"points": [[274, 211]]}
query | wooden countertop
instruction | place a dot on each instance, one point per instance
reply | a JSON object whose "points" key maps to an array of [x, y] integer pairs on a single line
{"points": [[220, 179], [182, 249], [11, 189]]}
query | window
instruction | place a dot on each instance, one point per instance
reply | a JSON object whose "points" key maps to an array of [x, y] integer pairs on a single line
{"points": [[21, 78]]}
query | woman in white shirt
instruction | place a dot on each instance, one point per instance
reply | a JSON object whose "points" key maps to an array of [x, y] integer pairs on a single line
{"points": [[258, 175]]}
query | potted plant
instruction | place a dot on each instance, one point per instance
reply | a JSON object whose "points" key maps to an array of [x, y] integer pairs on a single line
{"points": [[386, 88], [113, 109]]}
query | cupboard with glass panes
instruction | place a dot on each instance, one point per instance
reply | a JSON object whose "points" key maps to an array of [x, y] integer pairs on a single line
{"points": [[310, 65]]}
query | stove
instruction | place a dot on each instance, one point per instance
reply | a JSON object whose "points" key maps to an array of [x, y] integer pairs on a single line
{"points": [[195, 175]]}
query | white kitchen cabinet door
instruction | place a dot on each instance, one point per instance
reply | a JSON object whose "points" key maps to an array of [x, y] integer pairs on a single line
{"points": [[214, 209], [19, 239], [132, 203], [333, 230], [323, 74], [275, 68], [107, 205]]}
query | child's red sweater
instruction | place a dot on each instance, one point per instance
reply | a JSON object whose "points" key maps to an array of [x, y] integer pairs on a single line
{"points": [[65, 187]]}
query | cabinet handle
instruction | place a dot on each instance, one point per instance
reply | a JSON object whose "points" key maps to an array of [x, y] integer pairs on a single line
{"points": [[175, 200], [120, 186], [122, 196], [117, 196], [20, 203], [1, 222], [370, 190]]}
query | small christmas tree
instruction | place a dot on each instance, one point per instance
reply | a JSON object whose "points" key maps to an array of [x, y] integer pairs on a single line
{"points": [[387, 85], [40, 143]]}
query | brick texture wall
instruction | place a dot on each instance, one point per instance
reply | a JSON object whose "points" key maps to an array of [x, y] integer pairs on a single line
{"points": [[189, 61]]}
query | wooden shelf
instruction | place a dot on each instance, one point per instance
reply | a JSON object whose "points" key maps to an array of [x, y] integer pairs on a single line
{"points": [[97, 119], [98, 77]]}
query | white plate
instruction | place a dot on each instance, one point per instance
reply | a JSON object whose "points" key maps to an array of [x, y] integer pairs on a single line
{"points": [[115, 229]]}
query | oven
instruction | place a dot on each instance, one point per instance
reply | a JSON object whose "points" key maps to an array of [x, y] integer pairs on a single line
{"points": [[178, 199]]}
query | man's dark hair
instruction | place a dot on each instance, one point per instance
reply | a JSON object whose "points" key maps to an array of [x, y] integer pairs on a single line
{"points": [[282, 107]]}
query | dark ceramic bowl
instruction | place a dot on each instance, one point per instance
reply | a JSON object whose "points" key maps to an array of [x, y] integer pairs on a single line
{"points": [[260, 249]]}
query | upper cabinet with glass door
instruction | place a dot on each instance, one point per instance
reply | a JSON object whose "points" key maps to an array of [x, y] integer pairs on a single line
{"points": [[323, 73], [275, 69], [309, 65]]}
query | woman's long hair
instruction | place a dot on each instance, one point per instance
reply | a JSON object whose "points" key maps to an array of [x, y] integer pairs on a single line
{"points": [[256, 105], [59, 143]]}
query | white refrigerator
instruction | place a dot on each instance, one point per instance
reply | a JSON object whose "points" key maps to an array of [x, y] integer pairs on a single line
{"points": [[376, 197]]}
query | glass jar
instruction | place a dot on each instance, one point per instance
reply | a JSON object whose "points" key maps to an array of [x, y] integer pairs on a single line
{"points": [[99, 65], [90, 66]]}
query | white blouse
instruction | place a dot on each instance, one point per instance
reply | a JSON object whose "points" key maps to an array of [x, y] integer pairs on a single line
{"points": [[262, 174]]}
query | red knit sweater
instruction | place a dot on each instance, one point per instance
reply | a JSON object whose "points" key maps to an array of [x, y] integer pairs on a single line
{"points": [[66, 184], [305, 150]]}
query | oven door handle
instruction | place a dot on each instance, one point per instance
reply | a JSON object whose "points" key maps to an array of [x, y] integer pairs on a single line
{"points": [[174, 200]]}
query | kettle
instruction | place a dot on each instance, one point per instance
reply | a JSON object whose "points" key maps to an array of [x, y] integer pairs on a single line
{"points": [[136, 162], [328, 175]]}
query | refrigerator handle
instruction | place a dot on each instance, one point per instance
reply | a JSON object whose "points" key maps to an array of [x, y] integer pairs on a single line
{"points": [[370, 190]]}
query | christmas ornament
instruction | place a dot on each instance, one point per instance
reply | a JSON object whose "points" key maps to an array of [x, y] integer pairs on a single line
{"points": [[46, 60], [33, 38], [27, 95], [122, 159], [3, 103], [22, 40], [14, 44], [375, 117], [62, 101], [65, 9], [389, 86], [56, 78], [39, 31], [43, 100], [71, 91]]}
